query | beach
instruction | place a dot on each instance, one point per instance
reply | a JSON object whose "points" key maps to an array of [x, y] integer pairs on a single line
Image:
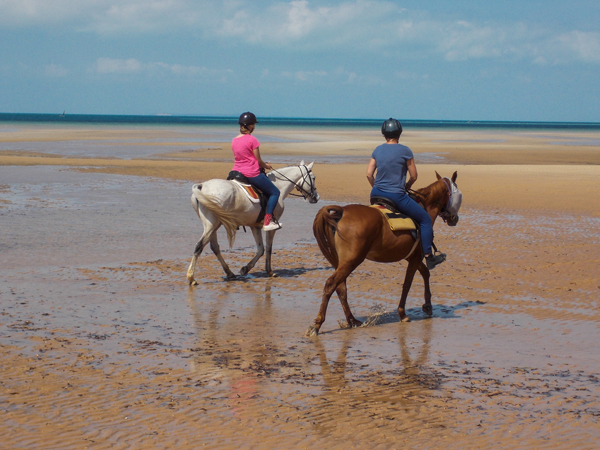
{"points": [[104, 345]]}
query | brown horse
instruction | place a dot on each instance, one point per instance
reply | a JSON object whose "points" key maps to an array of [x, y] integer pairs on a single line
{"points": [[347, 235]]}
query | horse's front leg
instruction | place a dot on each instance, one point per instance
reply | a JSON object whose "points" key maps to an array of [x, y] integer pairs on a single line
{"points": [[270, 236], [424, 271], [214, 246], [413, 264], [260, 250]]}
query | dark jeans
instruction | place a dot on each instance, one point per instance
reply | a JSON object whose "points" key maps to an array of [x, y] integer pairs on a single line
{"points": [[267, 186], [412, 209]]}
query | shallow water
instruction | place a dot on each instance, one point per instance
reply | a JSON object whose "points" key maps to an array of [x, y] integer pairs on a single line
{"points": [[177, 140], [105, 344]]}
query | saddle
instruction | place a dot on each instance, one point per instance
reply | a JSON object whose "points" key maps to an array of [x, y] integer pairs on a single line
{"points": [[397, 220], [254, 194]]}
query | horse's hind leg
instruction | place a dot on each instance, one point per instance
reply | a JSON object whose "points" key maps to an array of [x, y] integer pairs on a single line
{"points": [[260, 250], [197, 251], [424, 271], [214, 246], [211, 224], [408, 279], [342, 293], [331, 285]]}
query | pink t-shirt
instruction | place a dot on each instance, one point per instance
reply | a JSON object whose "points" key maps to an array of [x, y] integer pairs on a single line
{"points": [[243, 152]]}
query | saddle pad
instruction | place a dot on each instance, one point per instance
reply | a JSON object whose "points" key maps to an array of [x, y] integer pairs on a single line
{"points": [[396, 222], [249, 191]]}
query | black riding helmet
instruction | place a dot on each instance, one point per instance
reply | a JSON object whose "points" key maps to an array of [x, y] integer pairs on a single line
{"points": [[391, 129], [247, 118]]}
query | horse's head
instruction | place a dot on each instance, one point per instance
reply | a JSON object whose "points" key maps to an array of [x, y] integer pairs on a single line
{"points": [[449, 212], [306, 186]]}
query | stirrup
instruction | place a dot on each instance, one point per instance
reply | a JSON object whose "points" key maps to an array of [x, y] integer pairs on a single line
{"points": [[435, 259], [274, 225]]}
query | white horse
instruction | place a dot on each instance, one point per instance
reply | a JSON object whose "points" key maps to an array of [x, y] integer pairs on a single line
{"points": [[221, 202]]}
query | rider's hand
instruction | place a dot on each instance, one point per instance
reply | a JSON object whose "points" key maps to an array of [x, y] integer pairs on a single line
{"points": [[268, 166]]}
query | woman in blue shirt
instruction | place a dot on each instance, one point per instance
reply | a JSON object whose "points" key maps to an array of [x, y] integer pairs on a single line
{"points": [[392, 161]]}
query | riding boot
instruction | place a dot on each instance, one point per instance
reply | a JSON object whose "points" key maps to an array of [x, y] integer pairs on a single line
{"points": [[271, 223], [434, 260]]}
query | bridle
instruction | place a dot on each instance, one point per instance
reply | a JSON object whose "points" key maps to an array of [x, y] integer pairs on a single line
{"points": [[443, 213], [306, 178]]}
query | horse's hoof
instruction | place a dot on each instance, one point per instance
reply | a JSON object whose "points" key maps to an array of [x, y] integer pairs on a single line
{"points": [[272, 275], [244, 271], [192, 282], [312, 331], [406, 319], [428, 309], [356, 323]]}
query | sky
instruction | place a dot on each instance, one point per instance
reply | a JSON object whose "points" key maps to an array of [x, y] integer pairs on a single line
{"points": [[525, 60]]}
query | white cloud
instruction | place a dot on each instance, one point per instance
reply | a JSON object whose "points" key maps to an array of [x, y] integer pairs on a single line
{"points": [[16, 13], [304, 75], [109, 65], [55, 70], [374, 26], [408, 75], [299, 24], [104, 16], [132, 66], [462, 40], [582, 46]]}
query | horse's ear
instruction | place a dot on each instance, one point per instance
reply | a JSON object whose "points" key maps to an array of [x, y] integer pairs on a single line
{"points": [[438, 175], [302, 162], [309, 167], [454, 175]]}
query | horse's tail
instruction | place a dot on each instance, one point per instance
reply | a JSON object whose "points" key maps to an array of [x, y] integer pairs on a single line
{"points": [[195, 203], [324, 228], [209, 202]]}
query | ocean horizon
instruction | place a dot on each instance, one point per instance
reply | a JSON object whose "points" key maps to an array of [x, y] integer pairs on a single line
{"points": [[166, 119]]}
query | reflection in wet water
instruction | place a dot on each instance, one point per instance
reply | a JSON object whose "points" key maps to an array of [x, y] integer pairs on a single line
{"points": [[247, 354]]}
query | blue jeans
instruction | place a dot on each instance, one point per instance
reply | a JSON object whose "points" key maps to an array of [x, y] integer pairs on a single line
{"points": [[412, 209], [264, 184]]}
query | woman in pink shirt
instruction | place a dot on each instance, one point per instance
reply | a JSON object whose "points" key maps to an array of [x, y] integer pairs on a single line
{"points": [[249, 163]]}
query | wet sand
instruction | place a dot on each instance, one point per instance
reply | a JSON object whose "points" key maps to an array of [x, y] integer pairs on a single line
{"points": [[105, 346]]}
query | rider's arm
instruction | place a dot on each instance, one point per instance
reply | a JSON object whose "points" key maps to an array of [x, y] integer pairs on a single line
{"points": [[261, 163], [412, 171], [371, 171]]}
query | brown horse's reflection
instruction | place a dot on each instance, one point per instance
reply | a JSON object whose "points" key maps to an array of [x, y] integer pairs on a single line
{"points": [[410, 364], [367, 383]]}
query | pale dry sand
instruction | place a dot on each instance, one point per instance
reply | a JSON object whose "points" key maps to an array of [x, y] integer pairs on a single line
{"points": [[104, 346]]}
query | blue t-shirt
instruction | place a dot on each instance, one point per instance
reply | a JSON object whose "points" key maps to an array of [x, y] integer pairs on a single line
{"points": [[391, 162]]}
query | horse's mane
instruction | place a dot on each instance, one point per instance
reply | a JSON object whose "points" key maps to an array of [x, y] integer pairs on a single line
{"points": [[429, 192]]}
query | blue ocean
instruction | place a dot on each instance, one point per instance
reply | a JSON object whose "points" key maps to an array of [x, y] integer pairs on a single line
{"points": [[288, 121]]}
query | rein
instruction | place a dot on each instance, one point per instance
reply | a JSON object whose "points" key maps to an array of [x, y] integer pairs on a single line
{"points": [[303, 192], [442, 207]]}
